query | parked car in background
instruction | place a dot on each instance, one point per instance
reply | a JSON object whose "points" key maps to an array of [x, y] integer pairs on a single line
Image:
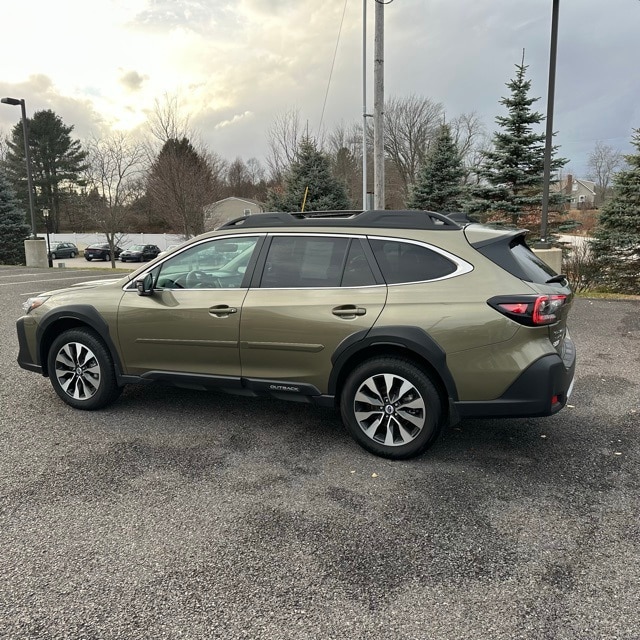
{"points": [[404, 321], [62, 250], [140, 253], [169, 249], [101, 251]]}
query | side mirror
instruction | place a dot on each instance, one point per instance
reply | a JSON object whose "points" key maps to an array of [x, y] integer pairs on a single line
{"points": [[145, 285]]}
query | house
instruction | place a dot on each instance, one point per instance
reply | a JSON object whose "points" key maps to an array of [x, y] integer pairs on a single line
{"points": [[222, 211], [581, 194]]}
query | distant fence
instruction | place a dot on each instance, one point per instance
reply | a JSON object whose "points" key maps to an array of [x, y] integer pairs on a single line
{"points": [[82, 240]]}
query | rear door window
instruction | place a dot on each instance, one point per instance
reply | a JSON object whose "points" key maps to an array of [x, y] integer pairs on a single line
{"points": [[304, 262]]}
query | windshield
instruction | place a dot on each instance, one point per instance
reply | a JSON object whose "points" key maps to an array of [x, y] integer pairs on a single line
{"points": [[137, 247]]}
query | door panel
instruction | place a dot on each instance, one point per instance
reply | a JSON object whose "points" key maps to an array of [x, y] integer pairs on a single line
{"points": [[183, 330], [290, 334]]}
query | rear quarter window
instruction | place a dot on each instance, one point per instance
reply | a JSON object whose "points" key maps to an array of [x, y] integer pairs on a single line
{"points": [[403, 262]]}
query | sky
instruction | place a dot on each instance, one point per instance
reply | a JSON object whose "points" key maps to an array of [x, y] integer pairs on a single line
{"points": [[236, 65]]}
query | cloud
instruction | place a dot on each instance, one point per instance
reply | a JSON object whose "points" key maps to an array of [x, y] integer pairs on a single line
{"points": [[132, 80], [237, 118]]}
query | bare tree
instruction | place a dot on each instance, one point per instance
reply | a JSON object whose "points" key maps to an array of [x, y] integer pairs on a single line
{"points": [[166, 122], [472, 139], [409, 125], [3, 146], [283, 136], [603, 162], [114, 166]]}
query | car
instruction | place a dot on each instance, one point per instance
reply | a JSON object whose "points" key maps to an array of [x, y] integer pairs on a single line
{"points": [[169, 249], [140, 253], [62, 250], [403, 321], [101, 251]]}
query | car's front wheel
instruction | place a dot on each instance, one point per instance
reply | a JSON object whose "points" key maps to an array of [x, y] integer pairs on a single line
{"points": [[391, 407], [81, 370], [72, 255], [107, 257], [53, 256]]}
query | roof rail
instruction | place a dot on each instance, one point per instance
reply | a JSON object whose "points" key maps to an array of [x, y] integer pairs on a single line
{"points": [[405, 219]]}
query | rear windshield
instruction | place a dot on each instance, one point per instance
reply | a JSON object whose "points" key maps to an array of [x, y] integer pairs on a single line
{"points": [[514, 256]]}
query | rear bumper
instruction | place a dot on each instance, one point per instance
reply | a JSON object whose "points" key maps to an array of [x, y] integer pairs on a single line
{"points": [[541, 390]]}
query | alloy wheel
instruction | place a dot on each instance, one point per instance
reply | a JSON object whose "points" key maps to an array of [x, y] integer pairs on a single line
{"points": [[389, 409], [77, 371]]}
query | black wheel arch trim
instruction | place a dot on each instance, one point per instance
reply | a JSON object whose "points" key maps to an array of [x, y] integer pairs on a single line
{"points": [[87, 315], [413, 339]]}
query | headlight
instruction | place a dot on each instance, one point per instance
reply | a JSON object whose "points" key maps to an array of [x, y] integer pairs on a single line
{"points": [[34, 303]]}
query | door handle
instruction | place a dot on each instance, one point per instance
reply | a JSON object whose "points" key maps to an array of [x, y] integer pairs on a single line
{"points": [[348, 311], [222, 310]]}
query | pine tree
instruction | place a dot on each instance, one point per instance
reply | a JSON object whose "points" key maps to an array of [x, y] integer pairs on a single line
{"points": [[56, 161], [616, 245], [439, 185], [311, 170], [13, 230], [512, 175]]}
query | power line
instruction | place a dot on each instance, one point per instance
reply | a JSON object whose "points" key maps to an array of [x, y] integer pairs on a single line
{"points": [[335, 53]]}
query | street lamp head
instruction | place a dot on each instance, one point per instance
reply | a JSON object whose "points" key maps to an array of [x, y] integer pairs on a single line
{"points": [[45, 213], [13, 101]]}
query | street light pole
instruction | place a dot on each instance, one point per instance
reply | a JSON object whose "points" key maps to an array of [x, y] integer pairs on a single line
{"points": [[25, 132], [45, 215]]}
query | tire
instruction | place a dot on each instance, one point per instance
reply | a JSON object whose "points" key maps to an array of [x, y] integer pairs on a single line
{"points": [[72, 255], [81, 370], [87, 259], [107, 257], [391, 408], [53, 256]]}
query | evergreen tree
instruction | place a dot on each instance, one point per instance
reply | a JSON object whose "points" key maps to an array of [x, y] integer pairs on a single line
{"points": [[512, 174], [13, 230], [439, 185], [616, 246], [311, 169], [56, 162]]}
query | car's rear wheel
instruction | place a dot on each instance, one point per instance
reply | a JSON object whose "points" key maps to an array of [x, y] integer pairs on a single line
{"points": [[53, 256], [72, 255], [87, 258], [81, 370], [107, 257], [391, 408]]}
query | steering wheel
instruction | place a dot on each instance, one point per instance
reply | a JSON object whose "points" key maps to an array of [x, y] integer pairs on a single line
{"points": [[195, 278], [198, 278]]}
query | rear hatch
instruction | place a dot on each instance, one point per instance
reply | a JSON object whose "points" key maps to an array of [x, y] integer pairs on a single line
{"points": [[550, 308]]}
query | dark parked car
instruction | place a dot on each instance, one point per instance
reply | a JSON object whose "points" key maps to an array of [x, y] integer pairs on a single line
{"points": [[101, 252], [62, 250], [140, 252]]}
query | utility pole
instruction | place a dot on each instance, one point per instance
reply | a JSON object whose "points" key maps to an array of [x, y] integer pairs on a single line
{"points": [[549, 134], [378, 108], [364, 105]]}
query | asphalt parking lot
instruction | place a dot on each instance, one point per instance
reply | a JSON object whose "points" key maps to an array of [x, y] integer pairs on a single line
{"points": [[178, 514]]}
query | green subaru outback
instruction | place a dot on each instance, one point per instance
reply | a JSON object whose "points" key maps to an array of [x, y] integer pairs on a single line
{"points": [[404, 320]]}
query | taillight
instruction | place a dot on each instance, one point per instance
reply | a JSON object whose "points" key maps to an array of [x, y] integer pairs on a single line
{"points": [[532, 311]]}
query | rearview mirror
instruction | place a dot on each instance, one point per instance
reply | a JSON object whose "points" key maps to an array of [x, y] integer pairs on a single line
{"points": [[145, 285]]}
